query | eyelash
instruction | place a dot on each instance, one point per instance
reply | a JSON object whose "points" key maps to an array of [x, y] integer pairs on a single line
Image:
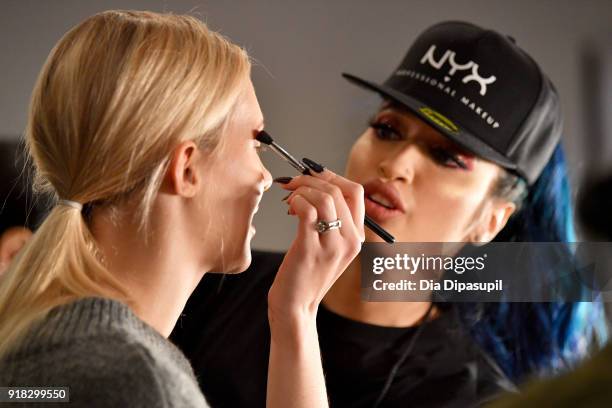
{"points": [[439, 154]]}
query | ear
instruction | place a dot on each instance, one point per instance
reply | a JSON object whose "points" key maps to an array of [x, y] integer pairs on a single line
{"points": [[181, 176], [494, 219]]}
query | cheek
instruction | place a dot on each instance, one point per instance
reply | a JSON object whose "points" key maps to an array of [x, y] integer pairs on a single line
{"points": [[361, 162], [218, 202], [460, 191], [234, 172], [445, 209], [236, 190], [226, 208], [232, 195]]}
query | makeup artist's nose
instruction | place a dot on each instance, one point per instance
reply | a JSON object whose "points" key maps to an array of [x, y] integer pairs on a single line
{"points": [[400, 164]]}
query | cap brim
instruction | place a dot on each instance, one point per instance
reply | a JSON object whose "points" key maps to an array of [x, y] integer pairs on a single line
{"points": [[460, 136]]}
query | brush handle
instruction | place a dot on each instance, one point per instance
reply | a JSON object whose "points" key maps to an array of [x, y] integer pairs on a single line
{"points": [[378, 230], [370, 223]]}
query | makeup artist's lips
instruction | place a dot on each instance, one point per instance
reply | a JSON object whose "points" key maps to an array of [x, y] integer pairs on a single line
{"points": [[382, 201]]}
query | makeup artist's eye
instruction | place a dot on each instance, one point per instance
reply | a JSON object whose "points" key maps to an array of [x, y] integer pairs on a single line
{"points": [[384, 131], [447, 158]]}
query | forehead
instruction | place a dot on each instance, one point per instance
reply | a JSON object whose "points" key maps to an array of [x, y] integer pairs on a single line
{"points": [[243, 122], [250, 105]]}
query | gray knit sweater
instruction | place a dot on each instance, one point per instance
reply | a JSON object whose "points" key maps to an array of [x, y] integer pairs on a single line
{"points": [[107, 357]]}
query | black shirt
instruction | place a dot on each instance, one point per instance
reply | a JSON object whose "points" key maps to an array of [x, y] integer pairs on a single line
{"points": [[224, 331]]}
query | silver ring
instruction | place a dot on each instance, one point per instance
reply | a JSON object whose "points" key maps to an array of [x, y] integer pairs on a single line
{"points": [[324, 226]]}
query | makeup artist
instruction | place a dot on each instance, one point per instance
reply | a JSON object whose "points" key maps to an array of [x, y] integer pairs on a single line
{"points": [[143, 126], [465, 148]]}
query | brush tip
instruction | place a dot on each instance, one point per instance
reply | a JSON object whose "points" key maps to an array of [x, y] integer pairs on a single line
{"points": [[264, 137]]}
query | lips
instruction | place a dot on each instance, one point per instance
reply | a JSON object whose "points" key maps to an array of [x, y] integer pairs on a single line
{"points": [[383, 201]]}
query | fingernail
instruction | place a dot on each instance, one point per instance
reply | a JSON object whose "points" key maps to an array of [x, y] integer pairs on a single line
{"points": [[313, 165], [283, 180], [287, 196]]}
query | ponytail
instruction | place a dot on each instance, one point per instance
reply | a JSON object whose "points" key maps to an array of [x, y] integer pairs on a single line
{"points": [[57, 265]]}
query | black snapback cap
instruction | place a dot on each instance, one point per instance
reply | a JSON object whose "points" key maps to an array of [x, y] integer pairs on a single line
{"points": [[481, 90]]}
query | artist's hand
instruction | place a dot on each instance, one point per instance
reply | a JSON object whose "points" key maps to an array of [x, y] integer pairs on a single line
{"points": [[315, 260], [311, 266]]}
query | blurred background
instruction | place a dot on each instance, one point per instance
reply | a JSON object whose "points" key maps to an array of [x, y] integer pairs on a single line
{"points": [[300, 49]]}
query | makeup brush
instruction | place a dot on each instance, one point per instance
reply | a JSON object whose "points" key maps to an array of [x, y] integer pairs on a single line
{"points": [[265, 138]]}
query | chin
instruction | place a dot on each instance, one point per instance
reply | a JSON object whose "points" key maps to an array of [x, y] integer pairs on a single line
{"points": [[246, 262], [241, 260]]}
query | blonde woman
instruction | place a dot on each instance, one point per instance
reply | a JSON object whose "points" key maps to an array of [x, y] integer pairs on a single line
{"points": [[143, 126]]}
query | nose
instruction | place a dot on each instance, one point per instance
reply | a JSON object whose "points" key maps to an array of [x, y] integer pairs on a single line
{"points": [[267, 178], [401, 163]]}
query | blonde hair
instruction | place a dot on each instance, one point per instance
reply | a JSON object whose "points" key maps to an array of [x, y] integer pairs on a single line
{"points": [[117, 93]]}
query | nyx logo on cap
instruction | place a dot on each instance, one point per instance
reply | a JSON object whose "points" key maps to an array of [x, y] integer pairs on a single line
{"points": [[449, 56]]}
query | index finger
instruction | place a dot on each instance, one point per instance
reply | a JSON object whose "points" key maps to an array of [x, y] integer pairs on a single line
{"points": [[352, 191]]}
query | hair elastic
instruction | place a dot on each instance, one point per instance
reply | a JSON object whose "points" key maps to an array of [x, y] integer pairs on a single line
{"points": [[72, 204]]}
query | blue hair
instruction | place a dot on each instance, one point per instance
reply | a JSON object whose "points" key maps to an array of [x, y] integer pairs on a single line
{"points": [[538, 338]]}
